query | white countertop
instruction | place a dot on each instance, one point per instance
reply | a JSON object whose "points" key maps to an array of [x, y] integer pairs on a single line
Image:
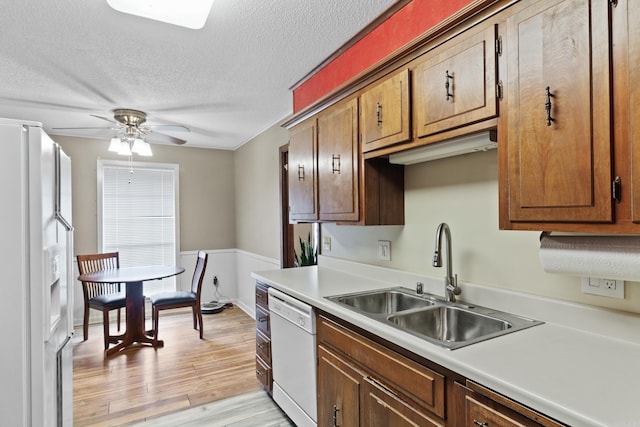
{"points": [[582, 366]]}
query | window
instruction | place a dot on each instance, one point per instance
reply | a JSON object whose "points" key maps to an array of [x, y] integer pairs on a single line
{"points": [[138, 215]]}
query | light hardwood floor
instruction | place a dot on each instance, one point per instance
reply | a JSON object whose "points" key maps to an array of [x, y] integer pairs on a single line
{"points": [[246, 410], [143, 383]]}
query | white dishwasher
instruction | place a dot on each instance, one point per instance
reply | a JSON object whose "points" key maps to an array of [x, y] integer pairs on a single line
{"points": [[293, 357]]}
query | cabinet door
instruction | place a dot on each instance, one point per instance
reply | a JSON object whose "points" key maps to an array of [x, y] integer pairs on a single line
{"points": [[381, 408], [456, 84], [303, 184], [384, 111], [338, 391], [338, 157], [633, 14], [558, 134]]}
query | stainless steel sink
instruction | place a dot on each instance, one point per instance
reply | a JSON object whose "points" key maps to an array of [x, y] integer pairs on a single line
{"points": [[383, 302], [448, 324], [452, 324]]}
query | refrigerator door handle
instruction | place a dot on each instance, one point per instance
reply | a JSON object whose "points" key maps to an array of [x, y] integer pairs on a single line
{"points": [[58, 190]]}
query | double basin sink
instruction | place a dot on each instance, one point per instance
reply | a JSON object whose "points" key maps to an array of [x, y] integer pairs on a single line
{"points": [[448, 324]]}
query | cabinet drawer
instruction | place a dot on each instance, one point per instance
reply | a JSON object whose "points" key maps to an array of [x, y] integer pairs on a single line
{"points": [[482, 415], [262, 296], [482, 405], [263, 346], [262, 321], [418, 383], [264, 373]]}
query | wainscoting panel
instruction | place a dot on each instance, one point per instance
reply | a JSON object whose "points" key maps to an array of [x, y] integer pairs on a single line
{"points": [[232, 267]]}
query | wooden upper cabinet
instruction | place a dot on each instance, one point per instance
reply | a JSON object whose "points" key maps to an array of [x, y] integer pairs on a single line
{"points": [[558, 131], [385, 112], [456, 83], [633, 18], [338, 158], [303, 183]]}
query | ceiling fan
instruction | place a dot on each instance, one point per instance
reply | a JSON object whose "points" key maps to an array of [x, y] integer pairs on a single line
{"points": [[128, 124]]}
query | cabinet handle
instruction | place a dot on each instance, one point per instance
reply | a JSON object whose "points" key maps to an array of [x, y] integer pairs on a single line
{"points": [[335, 163], [335, 416], [260, 373], [481, 424], [300, 172], [547, 106], [379, 113], [262, 319], [448, 85], [260, 345]]}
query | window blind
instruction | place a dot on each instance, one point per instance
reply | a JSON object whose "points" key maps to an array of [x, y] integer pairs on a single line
{"points": [[139, 216]]}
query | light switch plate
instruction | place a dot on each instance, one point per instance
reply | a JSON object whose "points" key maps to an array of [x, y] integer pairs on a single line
{"points": [[384, 250], [326, 243]]}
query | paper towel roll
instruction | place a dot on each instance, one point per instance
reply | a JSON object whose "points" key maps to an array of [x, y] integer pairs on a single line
{"points": [[610, 257]]}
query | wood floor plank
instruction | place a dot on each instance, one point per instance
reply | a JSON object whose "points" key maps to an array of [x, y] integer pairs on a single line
{"points": [[144, 382], [246, 410]]}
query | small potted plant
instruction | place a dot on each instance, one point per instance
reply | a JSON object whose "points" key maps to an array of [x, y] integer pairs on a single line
{"points": [[309, 254]]}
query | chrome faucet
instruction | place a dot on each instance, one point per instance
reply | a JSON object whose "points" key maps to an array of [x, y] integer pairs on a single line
{"points": [[451, 288]]}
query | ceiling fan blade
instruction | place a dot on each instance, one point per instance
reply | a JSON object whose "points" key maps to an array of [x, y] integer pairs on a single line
{"points": [[161, 137], [169, 128], [103, 118], [88, 128]]}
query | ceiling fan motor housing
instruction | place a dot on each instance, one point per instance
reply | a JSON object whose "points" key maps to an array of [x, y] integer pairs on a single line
{"points": [[129, 117]]}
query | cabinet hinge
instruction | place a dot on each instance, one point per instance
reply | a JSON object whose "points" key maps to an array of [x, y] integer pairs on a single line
{"points": [[613, 3], [499, 91], [499, 46], [616, 189]]}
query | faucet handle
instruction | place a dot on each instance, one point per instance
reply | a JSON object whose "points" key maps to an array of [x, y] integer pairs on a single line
{"points": [[456, 289], [419, 288]]}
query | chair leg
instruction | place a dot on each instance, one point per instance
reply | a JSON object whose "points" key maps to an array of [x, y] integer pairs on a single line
{"points": [[119, 310], [105, 322], [199, 313], [85, 323], [195, 319]]}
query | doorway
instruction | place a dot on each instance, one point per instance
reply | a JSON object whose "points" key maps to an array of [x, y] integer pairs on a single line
{"points": [[292, 234]]}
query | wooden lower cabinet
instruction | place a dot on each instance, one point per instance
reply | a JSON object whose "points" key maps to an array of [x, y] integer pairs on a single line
{"points": [[362, 381], [339, 387], [263, 337]]}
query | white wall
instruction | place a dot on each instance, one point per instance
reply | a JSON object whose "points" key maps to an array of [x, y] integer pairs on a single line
{"points": [[463, 192]]}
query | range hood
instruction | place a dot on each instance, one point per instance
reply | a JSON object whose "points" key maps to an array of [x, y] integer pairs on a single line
{"points": [[481, 141]]}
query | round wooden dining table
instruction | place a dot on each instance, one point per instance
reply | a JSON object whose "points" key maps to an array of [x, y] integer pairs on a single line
{"points": [[133, 278]]}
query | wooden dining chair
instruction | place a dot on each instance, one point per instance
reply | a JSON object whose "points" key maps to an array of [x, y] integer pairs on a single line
{"points": [[177, 299], [101, 296]]}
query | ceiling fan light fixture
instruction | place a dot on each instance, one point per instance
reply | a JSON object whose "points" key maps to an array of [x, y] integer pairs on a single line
{"points": [[115, 144], [141, 148], [185, 13], [125, 149]]}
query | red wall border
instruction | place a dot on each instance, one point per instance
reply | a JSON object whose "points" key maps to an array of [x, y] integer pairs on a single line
{"points": [[407, 24]]}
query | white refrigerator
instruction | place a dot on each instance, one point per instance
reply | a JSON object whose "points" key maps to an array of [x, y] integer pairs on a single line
{"points": [[36, 297]]}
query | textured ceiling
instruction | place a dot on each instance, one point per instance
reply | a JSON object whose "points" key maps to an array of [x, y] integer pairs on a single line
{"points": [[63, 60]]}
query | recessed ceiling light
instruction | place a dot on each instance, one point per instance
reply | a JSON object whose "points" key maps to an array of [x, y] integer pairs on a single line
{"points": [[185, 13]]}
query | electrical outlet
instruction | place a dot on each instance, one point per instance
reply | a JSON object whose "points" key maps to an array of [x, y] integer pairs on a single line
{"points": [[384, 250], [605, 287]]}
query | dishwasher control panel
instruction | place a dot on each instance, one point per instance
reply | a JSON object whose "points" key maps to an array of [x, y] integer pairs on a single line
{"points": [[291, 309]]}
